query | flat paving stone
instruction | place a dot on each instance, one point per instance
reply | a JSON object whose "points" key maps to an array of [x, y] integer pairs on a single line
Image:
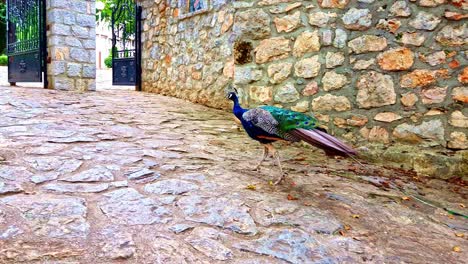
{"points": [[218, 211], [96, 174], [172, 186], [52, 216], [128, 206], [76, 187]]}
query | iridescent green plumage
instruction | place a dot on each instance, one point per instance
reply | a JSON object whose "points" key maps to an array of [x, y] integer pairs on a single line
{"points": [[289, 120]]}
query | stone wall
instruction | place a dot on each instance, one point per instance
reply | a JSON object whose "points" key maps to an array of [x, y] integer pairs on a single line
{"points": [[187, 56], [375, 72], [72, 44]]}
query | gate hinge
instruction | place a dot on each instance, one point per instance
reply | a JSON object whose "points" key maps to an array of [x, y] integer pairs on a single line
{"points": [[49, 59], [47, 27]]}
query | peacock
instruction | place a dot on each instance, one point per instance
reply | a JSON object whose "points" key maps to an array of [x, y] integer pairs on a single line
{"points": [[267, 124]]}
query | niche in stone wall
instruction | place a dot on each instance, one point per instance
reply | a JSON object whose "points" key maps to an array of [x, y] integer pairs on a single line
{"points": [[242, 52], [189, 8]]}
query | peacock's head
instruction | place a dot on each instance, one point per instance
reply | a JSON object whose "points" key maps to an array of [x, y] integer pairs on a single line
{"points": [[232, 96], [231, 92]]}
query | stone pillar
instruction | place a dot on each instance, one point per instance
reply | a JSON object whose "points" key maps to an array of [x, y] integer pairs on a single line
{"points": [[71, 41]]}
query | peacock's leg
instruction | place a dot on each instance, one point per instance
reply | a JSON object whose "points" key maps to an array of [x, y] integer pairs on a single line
{"points": [[276, 156], [265, 155]]}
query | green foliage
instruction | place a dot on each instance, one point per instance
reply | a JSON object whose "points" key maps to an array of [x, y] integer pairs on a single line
{"points": [[108, 61], [124, 16], [3, 60], [2, 13]]}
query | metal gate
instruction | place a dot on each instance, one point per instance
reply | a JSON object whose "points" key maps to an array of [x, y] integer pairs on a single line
{"points": [[26, 41], [126, 44]]}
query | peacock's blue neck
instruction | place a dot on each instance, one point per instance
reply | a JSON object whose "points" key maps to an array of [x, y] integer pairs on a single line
{"points": [[237, 109]]}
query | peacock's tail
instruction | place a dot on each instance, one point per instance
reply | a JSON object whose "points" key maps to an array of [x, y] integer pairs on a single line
{"points": [[331, 145]]}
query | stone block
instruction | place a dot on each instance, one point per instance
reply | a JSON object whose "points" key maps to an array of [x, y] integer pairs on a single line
{"points": [[73, 42], [89, 71], [308, 67], [79, 55], [272, 49], [287, 94], [375, 90], [86, 20], [57, 67], [331, 102], [288, 23], [80, 32], [60, 29], [306, 42], [252, 24], [63, 83], [74, 70]]}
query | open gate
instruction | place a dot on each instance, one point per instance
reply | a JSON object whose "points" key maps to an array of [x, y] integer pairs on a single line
{"points": [[26, 41], [126, 44]]}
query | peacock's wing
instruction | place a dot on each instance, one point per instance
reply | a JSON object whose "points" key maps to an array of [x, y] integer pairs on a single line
{"points": [[271, 121], [289, 120]]}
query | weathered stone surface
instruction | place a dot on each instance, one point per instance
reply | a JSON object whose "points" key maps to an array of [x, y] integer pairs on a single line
{"points": [[457, 119], [288, 23], [261, 94], [390, 25], [409, 99], [118, 245], [357, 120], [287, 94], [307, 41], [44, 177], [460, 94], [413, 38], [379, 134], [374, 90], [421, 78], [302, 106], [9, 188], [327, 37], [247, 74], [276, 212], [310, 89], [340, 38], [387, 117], [330, 102], [453, 35], [272, 49], [128, 206], [357, 19], [76, 187], [307, 68], [252, 24], [96, 174], [432, 131], [455, 16], [333, 81], [425, 21], [367, 43], [140, 174], [433, 95], [333, 3], [225, 212], [171, 186], [321, 19], [293, 246], [463, 76], [435, 58], [431, 3], [334, 59], [52, 216], [458, 140], [180, 228], [363, 64], [279, 9], [400, 9], [279, 72], [396, 59], [58, 164], [206, 240]]}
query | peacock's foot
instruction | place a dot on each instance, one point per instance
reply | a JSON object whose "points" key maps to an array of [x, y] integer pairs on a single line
{"points": [[280, 179]]}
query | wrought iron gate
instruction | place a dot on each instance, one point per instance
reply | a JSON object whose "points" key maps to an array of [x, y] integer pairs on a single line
{"points": [[126, 44], [26, 41]]}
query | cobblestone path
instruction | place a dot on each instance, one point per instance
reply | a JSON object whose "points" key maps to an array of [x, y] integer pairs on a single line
{"points": [[127, 177]]}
